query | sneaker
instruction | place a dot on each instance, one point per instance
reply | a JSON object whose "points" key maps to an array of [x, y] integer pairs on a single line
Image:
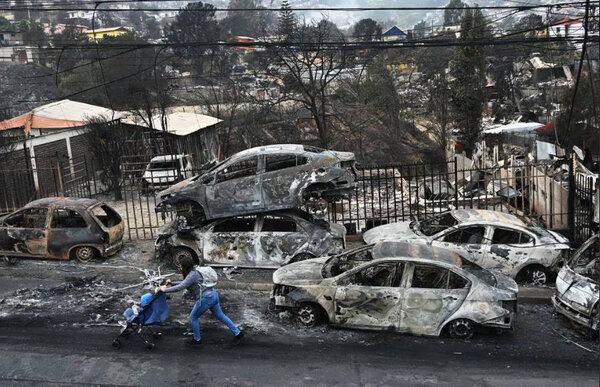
{"points": [[238, 337], [194, 342]]}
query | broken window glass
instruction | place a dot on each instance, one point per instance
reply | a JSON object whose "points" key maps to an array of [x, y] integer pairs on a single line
{"points": [[278, 224], [341, 263], [28, 218], [432, 277], [106, 215], [163, 165], [237, 224], [237, 170], [503, 236], [382, 274], [436, 224], [65, 218], [472, 235], [277, 162]]}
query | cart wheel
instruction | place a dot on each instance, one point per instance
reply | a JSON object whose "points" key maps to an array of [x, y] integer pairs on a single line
{"points": [[157, 335], [150, 346], [116, 343]]}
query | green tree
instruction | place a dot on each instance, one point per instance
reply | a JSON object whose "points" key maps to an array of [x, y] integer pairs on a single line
{"points": [[286, 21], [453, 13], [254, 22], [467, 69], [367, 30]]}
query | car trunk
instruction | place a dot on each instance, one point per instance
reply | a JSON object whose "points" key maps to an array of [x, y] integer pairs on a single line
{"points": [[110, 222]]}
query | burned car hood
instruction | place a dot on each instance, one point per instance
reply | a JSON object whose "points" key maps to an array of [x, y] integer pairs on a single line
{"points": [[177, 187], [581, 291], [305, 271], [342, 156], [400, 231]]}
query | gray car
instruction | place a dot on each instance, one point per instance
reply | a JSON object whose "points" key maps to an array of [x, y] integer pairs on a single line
{"points": [[267, 178], [396, 286], [266, 240]]}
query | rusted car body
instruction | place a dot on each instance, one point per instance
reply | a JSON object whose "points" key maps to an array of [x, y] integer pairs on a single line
{"points": [[490, 239], [577, 290], [397, 286], [61, 228], [266, 240], [267, 178]]}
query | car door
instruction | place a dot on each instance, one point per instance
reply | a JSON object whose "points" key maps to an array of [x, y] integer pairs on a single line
{"points": [[231, 241], [469, 240], [67, 228], [235, 189], [370, 297], [281, 238], [433, 293], [25, 233], [280, 179], [509, 248]]}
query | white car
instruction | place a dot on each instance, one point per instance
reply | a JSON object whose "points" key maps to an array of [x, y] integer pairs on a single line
{"points": [[491, 239], [164, 171]]}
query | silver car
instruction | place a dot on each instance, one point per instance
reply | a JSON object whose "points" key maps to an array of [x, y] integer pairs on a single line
{"points": [[577, 290], [267, 178], [490, 239], [266, 240], [396, 286]]}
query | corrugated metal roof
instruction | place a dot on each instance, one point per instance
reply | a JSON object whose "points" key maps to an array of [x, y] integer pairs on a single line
{"points": [[178, 123]]}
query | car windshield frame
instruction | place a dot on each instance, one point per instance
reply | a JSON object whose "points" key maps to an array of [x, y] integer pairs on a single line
{"points": [[416, 226], [326, 268], [583, 248], [481, 274]]}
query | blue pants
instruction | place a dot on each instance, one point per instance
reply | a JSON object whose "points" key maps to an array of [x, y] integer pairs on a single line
{"points": [[209, 300]]}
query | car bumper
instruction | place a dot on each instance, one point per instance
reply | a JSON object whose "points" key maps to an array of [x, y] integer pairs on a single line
{"points": [[112, 249], [505, 322], [565, 309]]}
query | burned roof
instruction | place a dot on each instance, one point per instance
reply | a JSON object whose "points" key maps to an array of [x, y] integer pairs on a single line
{"points": [[63, 202], [471, 215], [413, 250]]}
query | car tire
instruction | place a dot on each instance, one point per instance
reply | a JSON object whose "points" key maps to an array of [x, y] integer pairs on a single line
{"points": [[309, 315], [84, 253], [461, 329], [535, 275], [178, 253]]}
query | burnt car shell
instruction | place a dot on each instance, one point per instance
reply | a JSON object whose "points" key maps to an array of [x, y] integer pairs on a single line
{"points": [[577, 290], [264, 240], [56, 235], [489, 299], [268, 178]]}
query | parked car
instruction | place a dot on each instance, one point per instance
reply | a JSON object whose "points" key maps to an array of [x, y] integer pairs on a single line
{"points": [[577, 287], [266, 240], [267, 178], [62, 228], [397, 286], [490, 239], [166, 170]]}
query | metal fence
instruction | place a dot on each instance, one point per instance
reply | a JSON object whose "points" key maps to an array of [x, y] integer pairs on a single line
{"points": [[399, 192], [66, 177]]}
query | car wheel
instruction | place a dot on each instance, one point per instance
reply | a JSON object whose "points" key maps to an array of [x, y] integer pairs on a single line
{"points": [[9, 260], [178, 253], [461, 329], [84, 253], [308, 315], [534, 275]]}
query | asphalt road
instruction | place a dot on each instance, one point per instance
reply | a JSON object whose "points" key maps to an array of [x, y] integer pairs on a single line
{"points": [[60, 333]]}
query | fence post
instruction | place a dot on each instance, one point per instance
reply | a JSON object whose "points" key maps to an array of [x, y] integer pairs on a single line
{"points": [[456, 182], [572, 187]]}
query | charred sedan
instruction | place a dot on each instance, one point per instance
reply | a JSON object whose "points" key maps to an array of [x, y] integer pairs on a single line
{"points": [[490, 239], [577, 286], [397, 286], [62, 228], [267, 178], [266, 240]]}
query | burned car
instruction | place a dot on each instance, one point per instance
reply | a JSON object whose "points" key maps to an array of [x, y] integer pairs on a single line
{"points": [[164, 171], [62, 228], [266, 240], [397, 286], [577, 286], [266, 178], [490, 239]]}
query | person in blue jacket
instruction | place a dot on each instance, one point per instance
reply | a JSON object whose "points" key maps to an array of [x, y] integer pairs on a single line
{"points": [[200, 281]]}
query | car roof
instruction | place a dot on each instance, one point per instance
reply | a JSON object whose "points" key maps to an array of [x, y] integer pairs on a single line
{"points": [[390, 249], [288, 148], [80, 203], [471, 215], [167, 158]]}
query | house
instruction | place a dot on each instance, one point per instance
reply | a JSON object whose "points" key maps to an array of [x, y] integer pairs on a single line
{"points": [[11, 38], [48, 134], [59, 29], [80, 14], [567, 28], [20, 54], [101, 33], [180, 132], [394, 34]]}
